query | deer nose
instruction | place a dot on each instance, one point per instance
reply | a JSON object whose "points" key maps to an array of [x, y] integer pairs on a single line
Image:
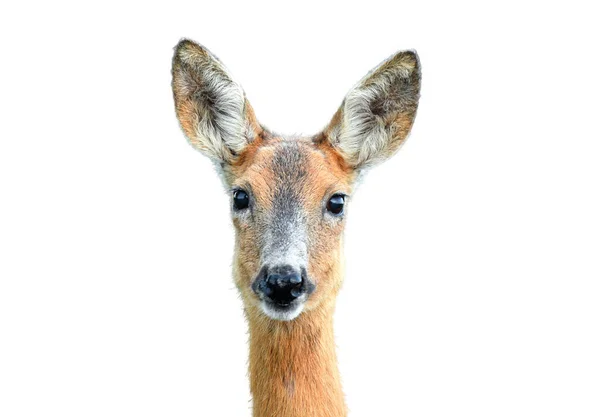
{"points": [[281, 285]]}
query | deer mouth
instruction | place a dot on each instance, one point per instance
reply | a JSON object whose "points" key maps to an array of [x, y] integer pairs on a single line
{"points": [[284, 311]]}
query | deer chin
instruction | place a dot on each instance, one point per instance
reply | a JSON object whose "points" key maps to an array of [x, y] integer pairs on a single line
{"points": [[282, 312]]}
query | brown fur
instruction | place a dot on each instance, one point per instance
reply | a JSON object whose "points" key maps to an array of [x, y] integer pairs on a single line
{"points": [[293, 366]]}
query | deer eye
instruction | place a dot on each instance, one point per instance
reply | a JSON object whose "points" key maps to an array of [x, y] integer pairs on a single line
{"points": [[240, 199], [335, 204]]}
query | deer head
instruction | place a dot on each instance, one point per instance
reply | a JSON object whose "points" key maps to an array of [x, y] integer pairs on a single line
{"points": [[289, 196]]}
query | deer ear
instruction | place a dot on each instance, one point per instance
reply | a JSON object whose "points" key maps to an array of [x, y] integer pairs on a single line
{"points": [[378, 113], [212, 109]]}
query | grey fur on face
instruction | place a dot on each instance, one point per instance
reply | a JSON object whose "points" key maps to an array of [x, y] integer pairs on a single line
{"points": [[285, 237]]}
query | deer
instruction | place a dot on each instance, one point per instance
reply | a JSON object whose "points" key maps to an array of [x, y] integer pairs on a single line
{"points": [[289, 199]]}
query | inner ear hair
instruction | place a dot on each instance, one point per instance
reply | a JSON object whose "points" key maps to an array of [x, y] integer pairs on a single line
{"points": [[378, 113], [212, 109]]}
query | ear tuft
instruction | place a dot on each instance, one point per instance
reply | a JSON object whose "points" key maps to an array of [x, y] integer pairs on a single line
{"points": [[210, 106], [377, 114]]}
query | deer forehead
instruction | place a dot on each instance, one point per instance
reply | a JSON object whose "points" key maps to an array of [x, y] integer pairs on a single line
{"points": [[289, 174]]}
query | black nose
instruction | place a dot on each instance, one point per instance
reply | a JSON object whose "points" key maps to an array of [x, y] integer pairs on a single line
{"points": [[281, 284]]}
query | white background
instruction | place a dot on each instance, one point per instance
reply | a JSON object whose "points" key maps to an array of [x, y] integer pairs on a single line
{"points": [[472, 284]]}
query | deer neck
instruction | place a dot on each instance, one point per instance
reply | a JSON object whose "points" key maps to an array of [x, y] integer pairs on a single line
{"points": [[293, 366]]}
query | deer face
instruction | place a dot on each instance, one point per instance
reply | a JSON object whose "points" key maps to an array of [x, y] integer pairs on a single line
{"points": [[288, 208], [289, 196]]}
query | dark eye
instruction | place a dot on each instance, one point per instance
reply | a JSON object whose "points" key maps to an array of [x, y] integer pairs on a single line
{"points": [[335, 204], [240, 199]]}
